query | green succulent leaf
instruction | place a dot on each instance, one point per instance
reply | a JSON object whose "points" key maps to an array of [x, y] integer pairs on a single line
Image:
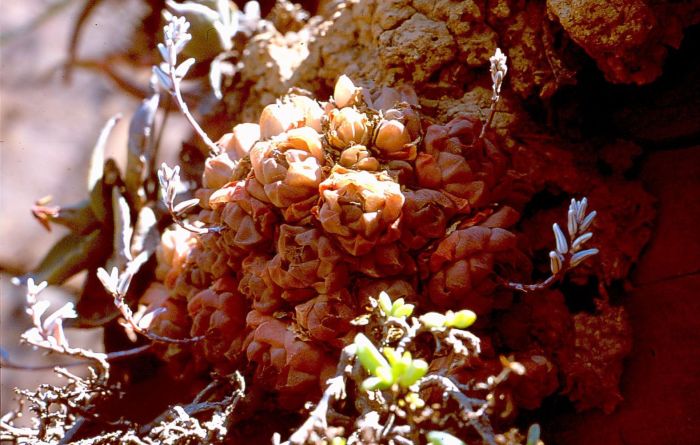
{"points": [[433, 319], [372, 384], [368, 354], [384, 303], [443, 438], [415, 371], [460, 319]]}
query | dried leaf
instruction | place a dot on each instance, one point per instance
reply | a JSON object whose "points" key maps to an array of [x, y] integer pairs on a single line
{"points": [[79, 218], [101, 194], [185, 205]]}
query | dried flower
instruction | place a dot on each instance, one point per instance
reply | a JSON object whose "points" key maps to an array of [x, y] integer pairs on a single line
{"points": [[462, 267], [263, 293], [218, 314], [427, 214], [291, 367], [327, 317], [246, 222], [312, 111]]}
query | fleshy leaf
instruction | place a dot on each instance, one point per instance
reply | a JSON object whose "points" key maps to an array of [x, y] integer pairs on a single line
{"points": [[433, 319], [140, 148], [368, 354], [443, 438], [461, 319], [97, 159], [69, 256]]}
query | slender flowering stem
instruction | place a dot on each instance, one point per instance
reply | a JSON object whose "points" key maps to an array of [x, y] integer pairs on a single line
{"points": [[110, 357], [567, 255], [177, 95], [48, 333], [499, 69], [170, 184], [117, 284], [170, 74]]}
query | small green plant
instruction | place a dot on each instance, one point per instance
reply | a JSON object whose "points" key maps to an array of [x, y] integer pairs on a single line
{"points": [[393, 386], [398, 308], [396, 371], [460, 319]]}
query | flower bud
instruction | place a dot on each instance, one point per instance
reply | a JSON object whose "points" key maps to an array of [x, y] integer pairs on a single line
{"points": [[344, 92], [361, 210]]}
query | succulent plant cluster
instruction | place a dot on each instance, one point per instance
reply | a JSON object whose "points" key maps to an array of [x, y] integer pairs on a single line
{"points": [[307, 215], [313, 216]]}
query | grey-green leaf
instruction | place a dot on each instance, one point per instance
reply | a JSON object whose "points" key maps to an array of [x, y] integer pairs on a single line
{"points": [[533, 434], [146, 236], [443, 438], [97, 159], [69, 256], [140, 148], [122, 230]]}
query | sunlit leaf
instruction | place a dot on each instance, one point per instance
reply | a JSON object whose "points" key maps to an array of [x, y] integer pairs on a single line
{"points": [[97, 159]]}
